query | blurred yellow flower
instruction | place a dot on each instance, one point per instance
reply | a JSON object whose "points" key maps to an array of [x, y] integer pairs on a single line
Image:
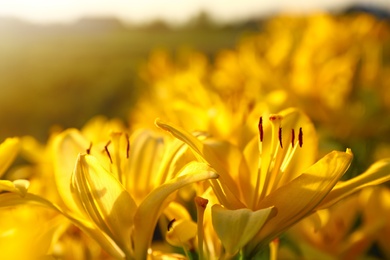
{"points": [[193, 102], [26, 232]]}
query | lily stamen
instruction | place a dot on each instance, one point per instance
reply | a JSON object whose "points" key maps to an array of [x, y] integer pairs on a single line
{"points": [[274, 161], [170, 224], [201, 204], [106, 150], [300, 137], [127, 146], [89, 148], [260, 126], [280, 137]]}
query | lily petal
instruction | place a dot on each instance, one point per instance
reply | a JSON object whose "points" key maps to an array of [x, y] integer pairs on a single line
{"points": [[182, 232], [147, 150], [378, 173], [149, 210], [206, 153], [300, 197], [66, 148], [104, 199], [8, 151], [235, 228]]}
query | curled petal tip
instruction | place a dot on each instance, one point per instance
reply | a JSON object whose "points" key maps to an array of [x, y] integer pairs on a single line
{"points": [[22, 185], [157, 122]]}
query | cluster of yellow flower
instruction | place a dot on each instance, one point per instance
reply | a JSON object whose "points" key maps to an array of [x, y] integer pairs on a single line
{"points": [[227, 170]]}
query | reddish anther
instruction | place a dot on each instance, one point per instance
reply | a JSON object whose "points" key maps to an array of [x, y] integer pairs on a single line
{"points": [[280, 137], [89, 148], [106, 149], [292, 137], [261, 129], [275, 117], [170, 224], [300, 137], [127, 147]]}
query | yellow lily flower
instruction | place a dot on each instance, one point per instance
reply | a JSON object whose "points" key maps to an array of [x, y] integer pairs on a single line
{"points": [[273, 174], [96, 191]]}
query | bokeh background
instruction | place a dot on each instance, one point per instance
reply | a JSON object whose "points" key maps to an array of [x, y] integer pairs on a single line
{"points": [[63, 62], [211, 65]]}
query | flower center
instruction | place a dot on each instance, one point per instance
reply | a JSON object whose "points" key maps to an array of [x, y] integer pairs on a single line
{"points": [[274, 159]]}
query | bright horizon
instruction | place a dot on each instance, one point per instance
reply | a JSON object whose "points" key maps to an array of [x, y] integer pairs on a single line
{"points": [[64, 11]]}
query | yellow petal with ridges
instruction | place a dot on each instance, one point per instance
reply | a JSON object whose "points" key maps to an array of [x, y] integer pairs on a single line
{"points": [[66, 147], [235, 228], [104, 199], [149, 210], [376, 174], [299, 198], [206, 154]]}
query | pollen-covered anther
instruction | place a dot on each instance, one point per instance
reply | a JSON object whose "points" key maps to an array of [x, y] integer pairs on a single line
{"points": [[108, 152], [300, 137]]}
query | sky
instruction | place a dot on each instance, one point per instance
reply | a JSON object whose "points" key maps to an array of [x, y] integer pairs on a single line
{"points": [[63, 11]]}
